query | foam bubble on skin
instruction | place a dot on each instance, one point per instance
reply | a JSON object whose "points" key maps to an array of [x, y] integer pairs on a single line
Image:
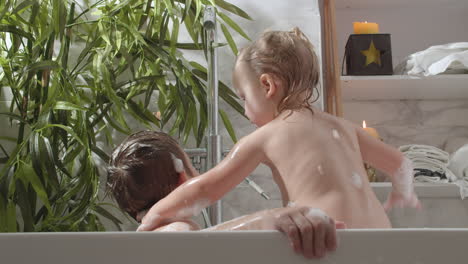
{"points": [[320, 169], [317, 213], [178, 164], [291, 204], [235, 152], [175, 227], [335, 134], [357, 180], [195, 209], [403, 178], [169, 228]]}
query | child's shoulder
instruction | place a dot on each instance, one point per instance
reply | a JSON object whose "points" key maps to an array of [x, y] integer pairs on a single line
{"points": [[340, 120]]}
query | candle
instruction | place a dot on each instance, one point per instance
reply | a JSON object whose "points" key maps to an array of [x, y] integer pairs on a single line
{"points": [[365, 28], [370, 130]]}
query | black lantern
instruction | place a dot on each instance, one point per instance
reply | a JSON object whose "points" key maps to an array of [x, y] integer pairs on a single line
{"points": [[369, 54]]}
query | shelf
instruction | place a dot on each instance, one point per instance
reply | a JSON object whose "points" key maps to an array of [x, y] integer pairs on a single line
{"points": [[379, 4], [423, 190], [404, 87]]}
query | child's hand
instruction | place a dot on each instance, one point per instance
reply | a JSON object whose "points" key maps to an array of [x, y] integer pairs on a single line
{"points": [[397, 200], [151, 222], [311, 232]]}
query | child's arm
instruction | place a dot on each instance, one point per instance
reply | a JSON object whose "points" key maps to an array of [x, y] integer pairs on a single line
{"points": [[310, 231], [391, 161], [195, 194]]}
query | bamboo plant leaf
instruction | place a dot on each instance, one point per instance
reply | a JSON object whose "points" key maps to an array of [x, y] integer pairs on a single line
{"points": [[228, 125], [50, 163], [100, 210], [27, 174], [233, 25], [11, 217], [232, 8], [15, 30], [63, 105], [14, 116], [68, 129], [175, 34], [42, 65], [3, 215], [230, 40]]}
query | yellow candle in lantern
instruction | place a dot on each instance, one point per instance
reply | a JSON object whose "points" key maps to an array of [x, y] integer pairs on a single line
{"points": [[365, 28], [372, 131]]}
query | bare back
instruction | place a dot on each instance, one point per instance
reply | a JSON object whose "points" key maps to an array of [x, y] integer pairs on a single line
{"points": [[316, 161]]}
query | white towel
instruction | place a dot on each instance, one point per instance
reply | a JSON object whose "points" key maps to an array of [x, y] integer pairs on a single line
{"points": [[459, 162], [449, 58], [437, 160]]}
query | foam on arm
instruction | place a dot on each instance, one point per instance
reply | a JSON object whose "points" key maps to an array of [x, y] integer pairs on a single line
{"points": [[389, 160]]}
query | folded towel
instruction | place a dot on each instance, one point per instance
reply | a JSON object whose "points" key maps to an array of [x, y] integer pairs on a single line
{"points": [[449, 58], [459, 162], [432, 164]]}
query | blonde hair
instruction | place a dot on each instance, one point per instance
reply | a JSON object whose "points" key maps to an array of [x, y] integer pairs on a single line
{"points": [[289, 56]]}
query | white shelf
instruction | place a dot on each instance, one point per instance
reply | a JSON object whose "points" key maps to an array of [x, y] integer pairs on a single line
{"points": [[404, 87], [423, 190], [378, 4]]}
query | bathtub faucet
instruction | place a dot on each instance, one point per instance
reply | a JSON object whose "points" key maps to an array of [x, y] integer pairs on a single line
{"points": [[213, 139]]}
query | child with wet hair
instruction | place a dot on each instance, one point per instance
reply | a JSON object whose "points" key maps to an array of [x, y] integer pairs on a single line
{"points": [[149, 165], [315, 158], [145, 168]]}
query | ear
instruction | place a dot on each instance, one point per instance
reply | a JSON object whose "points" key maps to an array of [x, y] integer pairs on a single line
{"points": [[268, 84]]}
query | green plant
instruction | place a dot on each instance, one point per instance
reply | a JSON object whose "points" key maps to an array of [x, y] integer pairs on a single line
{"points": [[128, 50]]}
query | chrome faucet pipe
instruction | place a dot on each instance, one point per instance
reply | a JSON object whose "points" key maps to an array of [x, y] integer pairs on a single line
{"points": [[214, 139]]}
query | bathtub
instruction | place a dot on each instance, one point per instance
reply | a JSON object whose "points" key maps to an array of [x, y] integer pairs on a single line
{"points": [[396, 246], [438, 234]]}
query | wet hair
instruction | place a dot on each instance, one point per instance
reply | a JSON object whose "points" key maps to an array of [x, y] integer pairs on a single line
{"points": [[141, 170], [290, 57]]}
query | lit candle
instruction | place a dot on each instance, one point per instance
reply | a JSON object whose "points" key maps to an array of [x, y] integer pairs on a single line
{"points": [[365, 28], [370, 130]]}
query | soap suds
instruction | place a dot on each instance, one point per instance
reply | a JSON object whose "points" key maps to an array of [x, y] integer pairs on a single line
{"points": [[320, 169], [178, 164], [194, 209], [357, 180], [335, 134], [314, 212]]}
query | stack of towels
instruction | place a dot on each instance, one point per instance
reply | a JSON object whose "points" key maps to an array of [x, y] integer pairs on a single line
{"points": [[432, 164], [450, 58]]}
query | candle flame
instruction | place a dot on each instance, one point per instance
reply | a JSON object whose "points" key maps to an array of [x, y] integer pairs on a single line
{"points": [[364, 124]]}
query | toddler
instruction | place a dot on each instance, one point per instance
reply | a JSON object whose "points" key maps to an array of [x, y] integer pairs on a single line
{"points": [[316, 159], [149, 165]]}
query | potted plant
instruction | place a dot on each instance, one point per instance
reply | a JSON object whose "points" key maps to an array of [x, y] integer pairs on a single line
{"points": [[126, 51]]}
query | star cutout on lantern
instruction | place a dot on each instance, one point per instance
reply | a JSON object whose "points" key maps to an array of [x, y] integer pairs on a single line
{"points": [[372, 55]]}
